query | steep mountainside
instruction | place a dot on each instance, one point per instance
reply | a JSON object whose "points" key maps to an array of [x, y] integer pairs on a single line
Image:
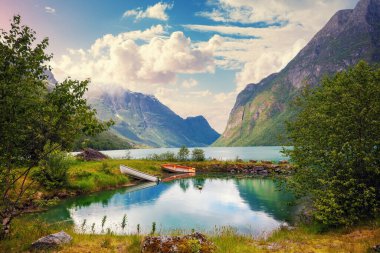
{"points": [[261, 109], [145, 120]]}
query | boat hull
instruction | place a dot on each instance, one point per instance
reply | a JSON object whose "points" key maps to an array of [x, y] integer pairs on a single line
{"points": [[138, 174], [178, 168]]}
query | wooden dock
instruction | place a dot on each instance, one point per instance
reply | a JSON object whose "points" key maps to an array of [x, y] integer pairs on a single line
{"points": [[138, 174]]}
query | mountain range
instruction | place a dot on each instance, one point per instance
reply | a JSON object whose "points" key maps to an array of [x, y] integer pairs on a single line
{"points": [[144, 120], [261, 109]]}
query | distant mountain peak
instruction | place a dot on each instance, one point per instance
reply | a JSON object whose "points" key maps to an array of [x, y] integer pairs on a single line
{"points": [[144, 119], [260, 111]]}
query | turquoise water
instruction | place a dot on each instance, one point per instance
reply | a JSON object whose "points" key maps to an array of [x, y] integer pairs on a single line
{"points": [[251, 206], [221, 153]]}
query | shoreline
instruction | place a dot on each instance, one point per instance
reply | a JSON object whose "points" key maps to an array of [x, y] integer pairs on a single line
{"points": [[215, 168]]}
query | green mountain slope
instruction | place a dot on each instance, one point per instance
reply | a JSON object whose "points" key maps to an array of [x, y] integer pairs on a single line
{"points": [[261, 109], [146, 121], [103, 141]]}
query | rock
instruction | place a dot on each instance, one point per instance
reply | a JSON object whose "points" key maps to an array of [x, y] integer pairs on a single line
{"points": [[253, 161], [274, 246], [195, 242], [278, 170], [376, 248], [90, 154], [259, 168], [51, 241], [263, 172], [266, 162], [283, 162]]}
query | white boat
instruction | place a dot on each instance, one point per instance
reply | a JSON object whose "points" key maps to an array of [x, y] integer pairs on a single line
{"points": [[138, 174]]}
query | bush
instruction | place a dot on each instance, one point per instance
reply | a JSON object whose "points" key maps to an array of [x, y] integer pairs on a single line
{"points": [[105, 168], [52, 172], [183, 153], [198, 155], [336, 139], [167, 156]]}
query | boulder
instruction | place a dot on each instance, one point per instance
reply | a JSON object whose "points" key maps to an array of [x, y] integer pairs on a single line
{"points": [[90, 154], [51, 241], [263, 172], [259, 168], [195, 242]]}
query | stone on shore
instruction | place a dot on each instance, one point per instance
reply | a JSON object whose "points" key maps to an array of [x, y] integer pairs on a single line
{"points": [[51, 241], [90, 154], [195, 242]]}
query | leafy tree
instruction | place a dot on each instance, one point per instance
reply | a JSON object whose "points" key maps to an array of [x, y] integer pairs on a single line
{"points": [[183, 153], [198, 155], [35, 120], [336, 139]]}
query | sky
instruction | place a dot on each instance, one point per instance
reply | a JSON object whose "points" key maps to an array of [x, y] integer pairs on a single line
{"points": [[194, 56]]}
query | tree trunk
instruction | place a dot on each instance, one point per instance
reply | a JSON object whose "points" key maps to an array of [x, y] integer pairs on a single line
{"points": [[6, 227]]}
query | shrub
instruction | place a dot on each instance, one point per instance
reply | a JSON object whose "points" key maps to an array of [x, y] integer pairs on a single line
{"points": [[183, 153], [52, 173], [105, 168], [198, 155], [167, 156]]}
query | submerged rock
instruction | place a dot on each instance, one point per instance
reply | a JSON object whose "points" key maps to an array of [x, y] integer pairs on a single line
{"points": [[51, 241], [195, 242]]}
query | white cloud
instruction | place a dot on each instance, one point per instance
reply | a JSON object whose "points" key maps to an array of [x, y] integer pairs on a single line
{"points": [[214, 106], [49, 10], [189, 83], [257, 58], [157, 11], [149, 61], [270, 48], [120, 61], [249, 11]]}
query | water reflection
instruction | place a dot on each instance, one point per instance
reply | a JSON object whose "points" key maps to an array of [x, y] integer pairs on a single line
{"points": [[252, 206]]}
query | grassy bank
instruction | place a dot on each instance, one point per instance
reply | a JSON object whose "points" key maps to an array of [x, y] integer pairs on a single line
{"points": [[86, 177], [360, 239]]}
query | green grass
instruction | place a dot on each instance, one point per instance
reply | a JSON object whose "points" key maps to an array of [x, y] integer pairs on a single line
{"points": [[303, 239], [101, 175]]}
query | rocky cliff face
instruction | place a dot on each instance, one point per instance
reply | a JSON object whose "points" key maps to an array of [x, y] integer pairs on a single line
{"points": [[261, 109], [145, 120]]}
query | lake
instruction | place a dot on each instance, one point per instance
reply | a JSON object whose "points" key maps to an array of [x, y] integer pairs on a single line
{"points": [[272, 153], [251, 205]]}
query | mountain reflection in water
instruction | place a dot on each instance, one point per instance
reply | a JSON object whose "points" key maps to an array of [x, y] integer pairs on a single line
{"points": [[252, 206]]}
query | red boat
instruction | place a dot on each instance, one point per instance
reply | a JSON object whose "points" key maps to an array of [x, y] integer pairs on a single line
{"points": [[178, 168]]}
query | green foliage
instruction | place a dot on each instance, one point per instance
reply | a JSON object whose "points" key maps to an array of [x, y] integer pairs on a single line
{"points": [[102, 141], [52, 173], [198, 155], [336, 139], [124, 221], [105, 168], [166, 156], [35, 119], [153, 228], [183, 153], [104, 219]]}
